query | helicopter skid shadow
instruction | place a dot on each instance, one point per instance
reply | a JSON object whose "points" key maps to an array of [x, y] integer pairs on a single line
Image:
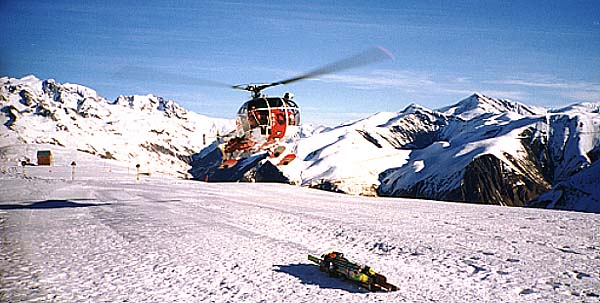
{"points": [[311, 275]]}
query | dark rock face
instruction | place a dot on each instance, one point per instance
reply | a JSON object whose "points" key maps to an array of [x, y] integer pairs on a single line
{"points": [[486, 180], [206, 166], [267, 172], [369, 138], [52, 89], [491, 181], [26, 97], [12, 114]]}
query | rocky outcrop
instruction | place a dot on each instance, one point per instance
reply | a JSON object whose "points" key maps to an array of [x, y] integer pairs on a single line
{"points": [[12, 113], [488, 180], [485, 180], [415, 127]]}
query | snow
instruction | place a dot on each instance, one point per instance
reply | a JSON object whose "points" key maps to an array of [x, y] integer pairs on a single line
{"points": [[341, 155], [480, 105], [418, 165], [107, 237]]}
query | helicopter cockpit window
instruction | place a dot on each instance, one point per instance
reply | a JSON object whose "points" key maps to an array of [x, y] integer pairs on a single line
{"points": [[258, 103], [258, 113], [243, 109], [275, 102]]}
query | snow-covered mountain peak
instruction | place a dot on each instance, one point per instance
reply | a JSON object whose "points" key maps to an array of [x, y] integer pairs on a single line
{"points": [[413, 108], [372, 120], [29, 79], [478, 104], [152, 103], [416, 114], [585, 107], [33, 90]]}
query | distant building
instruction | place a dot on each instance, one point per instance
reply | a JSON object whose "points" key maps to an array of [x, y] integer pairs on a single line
{"points": [[44, 157]]}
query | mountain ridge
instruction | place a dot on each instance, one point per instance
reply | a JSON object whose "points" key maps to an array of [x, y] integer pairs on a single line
{"points": [[144, 129], [508, 155], [478, 150]]}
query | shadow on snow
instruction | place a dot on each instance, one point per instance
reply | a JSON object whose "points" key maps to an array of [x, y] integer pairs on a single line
{"points": [[311, 275], [50, 204]]}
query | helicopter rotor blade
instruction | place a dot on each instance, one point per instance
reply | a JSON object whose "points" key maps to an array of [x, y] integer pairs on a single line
{"points": [[370, 56]]}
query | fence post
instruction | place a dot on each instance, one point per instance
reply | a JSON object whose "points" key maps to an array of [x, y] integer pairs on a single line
{"points": [[73, 164]]}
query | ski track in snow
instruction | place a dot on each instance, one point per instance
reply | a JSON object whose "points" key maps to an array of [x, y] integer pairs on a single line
{"points": [[167, 240]]}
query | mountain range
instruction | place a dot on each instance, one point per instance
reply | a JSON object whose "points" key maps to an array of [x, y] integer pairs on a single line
{"points": [[150, 131], [479, 150]]}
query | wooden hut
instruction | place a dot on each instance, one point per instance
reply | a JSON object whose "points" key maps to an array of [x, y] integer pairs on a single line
{"points": [[44, 157]]}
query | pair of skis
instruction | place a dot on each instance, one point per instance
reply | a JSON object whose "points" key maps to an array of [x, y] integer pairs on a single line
{"points": [[337, 266]]}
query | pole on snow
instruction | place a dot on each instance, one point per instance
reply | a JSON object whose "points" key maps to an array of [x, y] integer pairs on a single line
{"points": [[73, 164]]}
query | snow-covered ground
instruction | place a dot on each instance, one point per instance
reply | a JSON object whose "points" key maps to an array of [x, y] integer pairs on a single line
{"points": [[106, 237]]}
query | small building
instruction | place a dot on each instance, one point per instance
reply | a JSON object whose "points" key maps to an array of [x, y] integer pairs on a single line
{"points": [[44, 157]]}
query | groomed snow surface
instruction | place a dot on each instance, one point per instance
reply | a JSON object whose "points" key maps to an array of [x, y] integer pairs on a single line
{"points": [[106, 237]]}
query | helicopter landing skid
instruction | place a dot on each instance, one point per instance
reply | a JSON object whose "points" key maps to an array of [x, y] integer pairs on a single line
{"points": [[286, 160]]}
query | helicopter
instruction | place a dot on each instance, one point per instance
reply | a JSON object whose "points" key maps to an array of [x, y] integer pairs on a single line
{"points": [[266, 123], [262, 123]]}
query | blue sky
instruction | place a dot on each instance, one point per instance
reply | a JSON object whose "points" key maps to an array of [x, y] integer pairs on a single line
{"points": [[542, 53]]}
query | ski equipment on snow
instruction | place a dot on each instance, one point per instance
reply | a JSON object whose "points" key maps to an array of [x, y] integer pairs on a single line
{"points": [[336, 265]]}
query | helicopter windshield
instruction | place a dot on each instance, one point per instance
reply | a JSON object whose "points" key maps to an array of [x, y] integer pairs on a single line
{"points": [[258, 103], [258, 113], [275, 102], [268, 114]]}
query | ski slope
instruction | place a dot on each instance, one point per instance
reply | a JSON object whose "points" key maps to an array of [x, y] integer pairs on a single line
{"points": [[111, 238]]}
